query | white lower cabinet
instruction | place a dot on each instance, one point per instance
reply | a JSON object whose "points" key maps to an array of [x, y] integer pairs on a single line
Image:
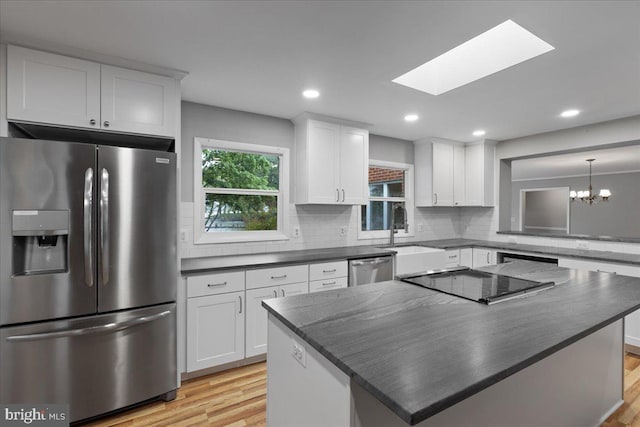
{"points": [[328, 275], [327, 284], [215, 330], [256, 338], [452, 258], [483, 257], [466, 257]]}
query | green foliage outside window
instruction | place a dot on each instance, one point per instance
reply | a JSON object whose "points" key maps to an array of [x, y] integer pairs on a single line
{"points": [[245, 171]]}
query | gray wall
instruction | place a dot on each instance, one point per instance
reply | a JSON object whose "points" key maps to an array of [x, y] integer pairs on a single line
{"points": [[390, 149], [620, 216], [199, 120], [545, 208]]}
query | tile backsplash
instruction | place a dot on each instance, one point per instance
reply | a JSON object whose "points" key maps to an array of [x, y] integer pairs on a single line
{"points": [[320, 228]]}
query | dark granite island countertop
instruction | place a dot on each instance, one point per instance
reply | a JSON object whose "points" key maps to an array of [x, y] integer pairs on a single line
{"points": [[419, 351]]}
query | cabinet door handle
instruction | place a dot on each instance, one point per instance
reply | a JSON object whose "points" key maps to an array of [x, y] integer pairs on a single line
{"points": [[329, 271], [275, 293], [435, 198], [488, 254], [328, 283], [282, 290], [212, 285], [106, 123], [92, 122], [240, 310], [343, 195], [337, 195], [278, 277]]}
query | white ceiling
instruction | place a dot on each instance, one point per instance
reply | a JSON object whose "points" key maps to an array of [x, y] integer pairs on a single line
{"points": [[611, 160], [259, 56]]}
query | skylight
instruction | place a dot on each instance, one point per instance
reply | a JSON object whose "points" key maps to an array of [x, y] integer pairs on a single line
{"points": [[494, 50]]}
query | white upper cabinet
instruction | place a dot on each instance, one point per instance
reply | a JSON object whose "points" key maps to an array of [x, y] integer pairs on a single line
{"points": [[47, 88], [133, 101], [442, 174], [354, 165], [454, 174], [479, 164], [331, 163]]}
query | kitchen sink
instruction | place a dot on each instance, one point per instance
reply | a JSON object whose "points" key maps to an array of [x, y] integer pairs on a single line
{"points": [[415, 259]]}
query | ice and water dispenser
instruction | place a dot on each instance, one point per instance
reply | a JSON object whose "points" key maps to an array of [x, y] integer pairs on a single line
{"points": [[40, 239]]}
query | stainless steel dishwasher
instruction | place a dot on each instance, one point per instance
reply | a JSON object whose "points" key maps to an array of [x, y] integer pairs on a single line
{"points": [[370, 270]]}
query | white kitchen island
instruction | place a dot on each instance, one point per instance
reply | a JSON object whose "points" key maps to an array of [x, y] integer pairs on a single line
{"points": [[392, 354]]}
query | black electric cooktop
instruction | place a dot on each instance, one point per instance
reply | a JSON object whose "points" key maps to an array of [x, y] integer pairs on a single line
{"points": [[477, 285]]}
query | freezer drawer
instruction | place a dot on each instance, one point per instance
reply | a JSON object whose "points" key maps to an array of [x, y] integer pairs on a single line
{"points": [[95, 364]]}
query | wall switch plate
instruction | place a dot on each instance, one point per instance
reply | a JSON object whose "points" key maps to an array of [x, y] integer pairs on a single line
{"points": [[343, 230], [296, 231], [184, 235], [298, 352], [420, 228]]}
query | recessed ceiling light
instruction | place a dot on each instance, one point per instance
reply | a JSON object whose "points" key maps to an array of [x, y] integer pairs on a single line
{"points": [[311, 93], [570, 113], [494, 50], [478, 132], [411, 117]]}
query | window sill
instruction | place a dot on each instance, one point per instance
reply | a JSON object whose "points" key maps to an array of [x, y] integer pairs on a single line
{"points": [[239, 237]]}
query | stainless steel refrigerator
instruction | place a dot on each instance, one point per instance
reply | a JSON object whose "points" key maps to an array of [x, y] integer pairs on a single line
{"points": [[88, 275]]}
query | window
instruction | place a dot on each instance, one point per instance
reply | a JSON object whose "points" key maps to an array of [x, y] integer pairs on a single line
{"points": [[239, 191], [390, 199]]}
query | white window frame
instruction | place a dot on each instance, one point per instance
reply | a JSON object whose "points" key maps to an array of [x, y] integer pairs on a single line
{"points": [[199, 193], [408, 200]]}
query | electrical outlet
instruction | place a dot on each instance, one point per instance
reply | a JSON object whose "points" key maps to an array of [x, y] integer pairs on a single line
{"points": [[343, 230], [298, 352], [296, 231], [420, 228], [512, 239], [184, 235]]}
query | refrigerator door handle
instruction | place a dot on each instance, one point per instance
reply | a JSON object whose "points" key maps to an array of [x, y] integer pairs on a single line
{"points": [[109, 327], [88, 227], [104, 225]]}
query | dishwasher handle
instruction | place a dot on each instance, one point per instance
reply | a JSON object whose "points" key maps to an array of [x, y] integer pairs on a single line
{"points": [[376, 261]]}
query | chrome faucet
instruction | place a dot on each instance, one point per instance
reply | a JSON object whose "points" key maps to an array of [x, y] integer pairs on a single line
{"points": [[392, 227]]}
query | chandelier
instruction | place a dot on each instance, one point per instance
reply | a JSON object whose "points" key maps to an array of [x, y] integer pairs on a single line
{"points": [[587, 196]]}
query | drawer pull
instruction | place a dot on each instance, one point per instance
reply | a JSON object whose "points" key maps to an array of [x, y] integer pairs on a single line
{"points": [[278, 277], [328, 283], [453, 256], [329, 271], [213, 285], [275, 293], [283, 294]]}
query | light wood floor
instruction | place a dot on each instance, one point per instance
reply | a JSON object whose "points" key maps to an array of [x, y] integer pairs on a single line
{"points": [[237, 398]]}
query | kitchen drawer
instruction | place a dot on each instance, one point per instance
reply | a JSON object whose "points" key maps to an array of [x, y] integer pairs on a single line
{"points": [[452, 258], [212, 284], [327, 270], [277, 276], [327, 284]]}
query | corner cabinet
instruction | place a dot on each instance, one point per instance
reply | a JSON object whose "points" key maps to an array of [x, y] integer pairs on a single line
{"points": [[59, 90], [331, 162], [450, 173]]}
